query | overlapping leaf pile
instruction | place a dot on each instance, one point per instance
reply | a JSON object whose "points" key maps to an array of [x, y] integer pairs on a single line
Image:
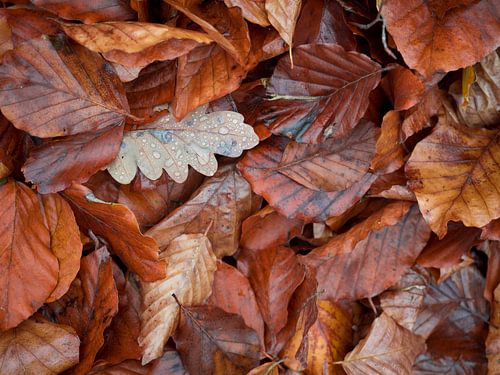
{"points": [[250, 187]]}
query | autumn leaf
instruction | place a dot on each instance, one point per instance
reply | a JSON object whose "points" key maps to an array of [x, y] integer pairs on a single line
{"points": [[69, 91], [173, 146], [455, 176], [342, 97], [208, 349], [11, 147], [136, 44], [190, 271], [89, 305], [38, 346], [493, 340], [438, 37], [261, 167], [217, 207], [39, 252], [387, 349], [403, 87], [118, 225], [375, 244], [88, 12], [283, 14], [169, 363], [252, 11]]}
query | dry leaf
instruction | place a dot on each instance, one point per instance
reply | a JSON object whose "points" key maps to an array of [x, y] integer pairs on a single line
{"points": [[172, 146], [38, 346], [455, 176], [493, 340], [388, 349], [283, 15], [190, 272]]}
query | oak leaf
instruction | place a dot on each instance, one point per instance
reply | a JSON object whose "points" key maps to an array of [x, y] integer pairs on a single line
{"points": [[217, 207], [387, 349], [190, 272], [437, 37], [64, 89], [455, 176], [173, 146], [207, 349], [334, 80], [38, 346], [118, 225]]}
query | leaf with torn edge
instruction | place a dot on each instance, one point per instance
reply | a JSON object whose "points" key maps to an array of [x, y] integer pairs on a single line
{"points": [[172, 146], [190, 274]]}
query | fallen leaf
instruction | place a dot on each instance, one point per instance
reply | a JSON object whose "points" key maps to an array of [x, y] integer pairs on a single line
{"points": [[482, 109], [190, 272], [252, 11], [274, 275], [217, 207], [260, 167], [419, 116], [58, 163], [386, 243], [38, 346], [118, 225], [491, 231], [455, 176], [387, 349], [493, 272], [270, 368], [390, 152], [334, 165], [89, 11], [329, 339], [173, 146], [427, 363], [341, 80], [403, 87], [438, 37], [69, 91], [283, 15], [11, 141], [233, 293], [89, 305], [208, 349], [493, 340], [169, 363], [267, 229], [136, 44]]}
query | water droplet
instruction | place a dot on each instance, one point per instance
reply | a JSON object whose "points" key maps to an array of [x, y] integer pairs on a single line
{"points": [[141, 153], [169, 162], [153, 145], [235, 121], [223, 130], [156, 155], [177, 174]]}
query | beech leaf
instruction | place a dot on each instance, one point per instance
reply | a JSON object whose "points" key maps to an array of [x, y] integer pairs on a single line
{"points": [[172, 146], [190, 273]]}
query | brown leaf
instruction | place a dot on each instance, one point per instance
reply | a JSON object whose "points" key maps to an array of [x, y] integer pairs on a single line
{"points": [[403, 87], [34, 238], [267, 229], [219, 205], [483, 109], [274, 275], [403, 301], [89, 305], [448, 251], [136, 44], [493, 271], [207, 349], [121, 336], [437, 37], [269, 368], [323, 21], [427, 363], [260, 167], [38, 346], [11, 141], [491, 231], [334, 165], [390, 152], [372, 255], [388, 349], [89, 11], [252, 11], [339, 83], [168, 364], [329, 339], [204, 74], [233, 293], [493, 340], [190, 272], [63, 89], [56, 164], [118, 225], [283, 15], [455, 176], [154, 86]]}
